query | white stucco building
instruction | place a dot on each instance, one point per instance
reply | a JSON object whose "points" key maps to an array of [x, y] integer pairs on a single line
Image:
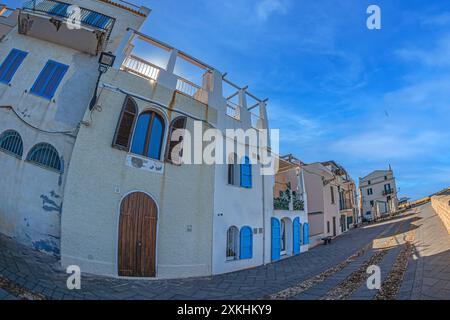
{"points": [[102, 185], [378, 194], [289, 225]]}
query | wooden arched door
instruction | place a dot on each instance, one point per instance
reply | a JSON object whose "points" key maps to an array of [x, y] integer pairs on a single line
{"points": [[137, 236]]}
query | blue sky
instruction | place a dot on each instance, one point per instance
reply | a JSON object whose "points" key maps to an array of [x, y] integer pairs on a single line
{"points": [[337, 90]]}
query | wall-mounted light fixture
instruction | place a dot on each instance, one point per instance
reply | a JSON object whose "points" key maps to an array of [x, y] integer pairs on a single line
{"points": [[105, 62]]}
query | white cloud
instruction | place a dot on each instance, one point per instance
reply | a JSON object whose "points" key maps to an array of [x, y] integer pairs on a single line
{"points": [[389, 143], [268, 7], [436, 56]]}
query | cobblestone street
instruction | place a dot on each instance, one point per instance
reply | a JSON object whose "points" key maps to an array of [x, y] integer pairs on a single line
{"points": [[336, 271]]}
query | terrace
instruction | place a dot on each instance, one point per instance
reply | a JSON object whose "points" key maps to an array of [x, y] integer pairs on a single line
{"points": [[156, 61], [288, 190]]}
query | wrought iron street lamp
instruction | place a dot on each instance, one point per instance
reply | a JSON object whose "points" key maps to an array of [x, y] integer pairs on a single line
{"points": [[105, 61]]}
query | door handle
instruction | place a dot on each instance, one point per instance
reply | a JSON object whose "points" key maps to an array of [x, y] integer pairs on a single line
{"points": [[139, 244]]}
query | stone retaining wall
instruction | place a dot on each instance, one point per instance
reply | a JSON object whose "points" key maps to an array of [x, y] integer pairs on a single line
{"points": [[441, 204]]}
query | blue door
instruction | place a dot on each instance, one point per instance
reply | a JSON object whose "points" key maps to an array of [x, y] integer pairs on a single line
{"points": [[305, 233], [296, 235], [275, 239], [246, 246]]}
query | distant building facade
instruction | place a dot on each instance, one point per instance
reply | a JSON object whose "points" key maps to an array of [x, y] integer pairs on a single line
{"points": [[332, 204], [289, 225], [378, 194]]}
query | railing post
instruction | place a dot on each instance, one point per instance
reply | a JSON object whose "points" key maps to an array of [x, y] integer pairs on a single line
{"points": [[166, 76], [212, 82], [245, 115], [124, 49], [170, 68]]}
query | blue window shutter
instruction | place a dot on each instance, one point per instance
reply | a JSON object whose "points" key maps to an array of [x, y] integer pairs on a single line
{"points": [[246, 173], [296, 235], [246, 247], [305, 233], [49, 79], [11, 64], [275, 239], [60, 9]]}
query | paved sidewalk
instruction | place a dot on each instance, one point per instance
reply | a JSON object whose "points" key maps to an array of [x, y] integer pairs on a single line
{"points": [[42, 276], [428, 273]]}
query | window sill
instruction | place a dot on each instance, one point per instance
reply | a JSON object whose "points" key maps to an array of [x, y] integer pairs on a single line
{"points": [[51, 100], [43, 167], [9, 153]]}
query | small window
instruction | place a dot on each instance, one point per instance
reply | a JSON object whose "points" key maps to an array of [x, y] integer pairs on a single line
{"points": [[369, 191], [45, 155], [246, 173], [368, 182], [232, 243], [125, 126], [11, 142], [49, 79], [332, 194], [246, 249], [233, 170], [175, 142], [148, 135], [385, 177], [11, 64], [328, 226], [371, 203]]}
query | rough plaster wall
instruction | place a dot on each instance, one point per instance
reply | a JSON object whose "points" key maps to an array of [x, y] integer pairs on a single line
{"points": [[98, 180], [32, 196], [236, 206]]}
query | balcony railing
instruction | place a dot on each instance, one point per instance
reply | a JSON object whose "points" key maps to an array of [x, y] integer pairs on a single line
{"points": [[141, 67], [233, 110], [289, 199], [193, 90], [60, 9], [345, 204], [388, 192]]}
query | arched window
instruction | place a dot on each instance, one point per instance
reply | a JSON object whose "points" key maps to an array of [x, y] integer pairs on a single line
{"points": [[233, 170], [305, 233], [246, 173], [283, 237], [246, 248], [175, 141], [148, 135], [125, 125], [232, 243], [11, 142], [45, 155]]}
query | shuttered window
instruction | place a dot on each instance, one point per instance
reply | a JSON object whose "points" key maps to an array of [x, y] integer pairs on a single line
{"points": [[11, 64], [246, 173], [305, 233], [275, 239], [124, 129], [49, 79], [246, 247], [296, 235], [175, 142]]}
